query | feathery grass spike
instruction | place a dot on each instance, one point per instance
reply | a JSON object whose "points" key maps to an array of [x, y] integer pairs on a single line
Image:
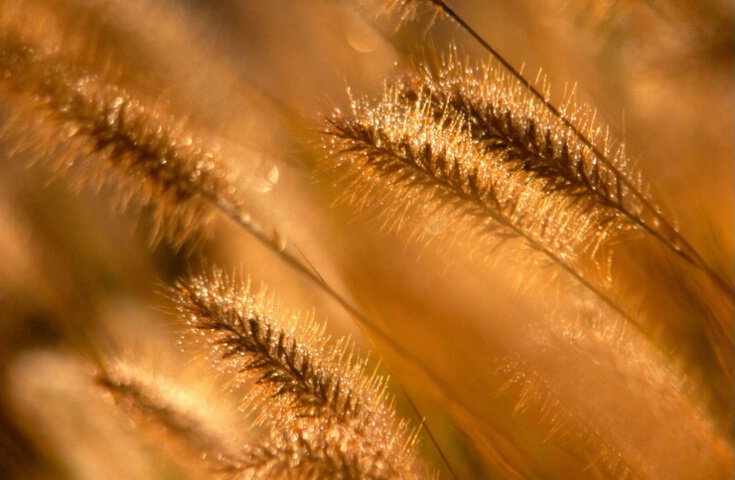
{"points": [[525, 138], [326, 402], [649, 216], [187, 422], [424, 148], [146, 153]]}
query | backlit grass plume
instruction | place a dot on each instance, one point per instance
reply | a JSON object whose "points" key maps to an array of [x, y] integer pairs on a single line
{"points": [[486, 151], [119, 139], [606, 174], [173, 416], [328, 417]]}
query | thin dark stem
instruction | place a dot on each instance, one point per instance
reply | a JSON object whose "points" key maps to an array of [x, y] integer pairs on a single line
{"points": [[424, 425]]}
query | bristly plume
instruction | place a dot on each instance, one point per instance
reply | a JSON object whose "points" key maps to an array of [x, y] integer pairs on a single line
{"points": [[310, 449], [627, 190], [187, 423], [514, 130], [109, 135], [324, 411], [481, 153]]}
